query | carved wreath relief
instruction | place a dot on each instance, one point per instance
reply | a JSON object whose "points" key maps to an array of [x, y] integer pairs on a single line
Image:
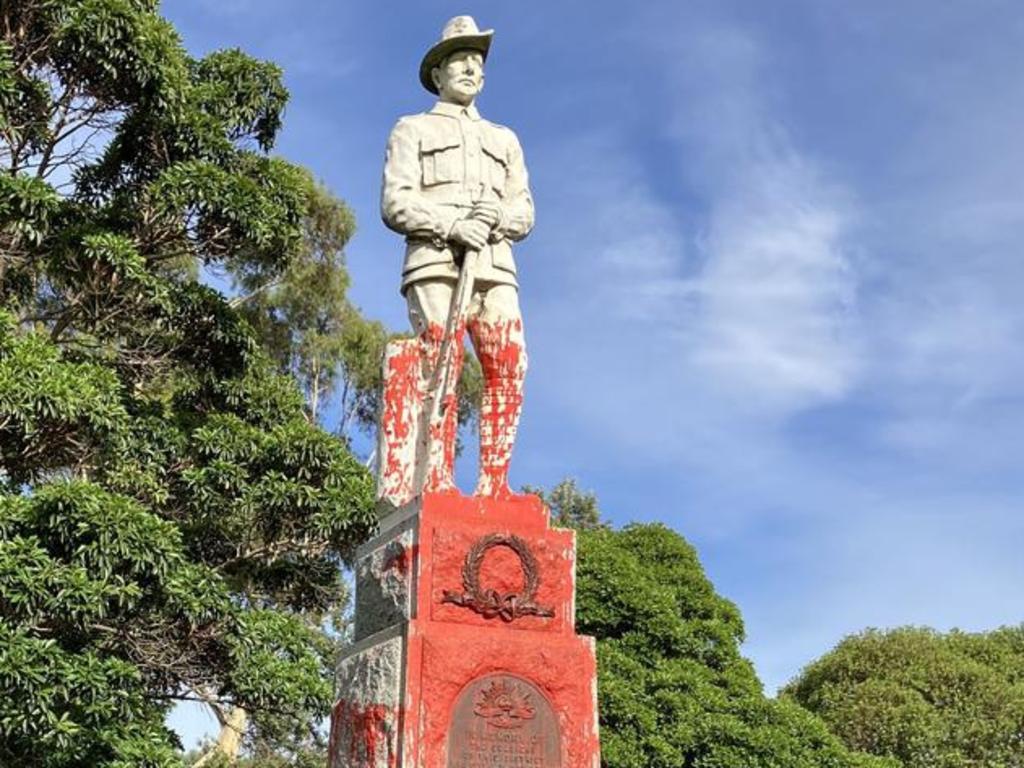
{"points": [[503, 721], [489, 602]]}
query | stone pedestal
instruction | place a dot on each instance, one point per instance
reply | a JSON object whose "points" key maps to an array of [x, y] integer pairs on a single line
{"points": [[465, 653]]}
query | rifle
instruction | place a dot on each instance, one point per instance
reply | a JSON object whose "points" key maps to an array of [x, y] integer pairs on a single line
{"points": [[444, 380], [441, 389]]}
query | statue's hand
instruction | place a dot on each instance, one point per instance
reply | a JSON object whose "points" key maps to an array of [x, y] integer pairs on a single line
{"points": [[471, 233], [488, 212]]}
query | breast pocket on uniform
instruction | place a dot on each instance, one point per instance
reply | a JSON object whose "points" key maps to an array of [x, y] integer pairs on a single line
{"points": [[497, 164], [441, 159]]}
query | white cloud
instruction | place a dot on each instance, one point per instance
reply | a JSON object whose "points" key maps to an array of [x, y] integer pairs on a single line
{"points": [[756, 299], [778, 316]]}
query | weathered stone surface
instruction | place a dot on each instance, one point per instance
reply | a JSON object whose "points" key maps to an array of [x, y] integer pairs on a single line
{"points": [[385, 580], [366, 721], [397, 434]]}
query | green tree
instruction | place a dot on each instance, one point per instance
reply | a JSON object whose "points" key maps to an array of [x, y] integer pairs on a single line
{"points": [[569, 506], [170, 518], [929, 699], [305, 320], [313, 754], [673, 688]]}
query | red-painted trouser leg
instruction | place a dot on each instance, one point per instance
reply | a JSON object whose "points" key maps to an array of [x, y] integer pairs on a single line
{"points": [[429, 303], [496, 327]]}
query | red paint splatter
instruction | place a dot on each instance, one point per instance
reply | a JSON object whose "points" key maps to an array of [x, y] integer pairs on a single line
{"points": [[502, 352], [402, 403], [367, 728], [401, 376], [500, 346], [401, 562], [442, 433], [447, 647]]}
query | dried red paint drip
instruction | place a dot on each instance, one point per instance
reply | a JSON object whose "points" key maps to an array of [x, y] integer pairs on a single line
{"points": [[500, 347], [403, 389], [367, 728]]}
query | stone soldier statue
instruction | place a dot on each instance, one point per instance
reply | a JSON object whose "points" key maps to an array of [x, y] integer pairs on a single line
{"points": [[455, 185]]}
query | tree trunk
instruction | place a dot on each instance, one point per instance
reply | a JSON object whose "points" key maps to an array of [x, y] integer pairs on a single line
{"points": [[229, 742], [314, 391]]}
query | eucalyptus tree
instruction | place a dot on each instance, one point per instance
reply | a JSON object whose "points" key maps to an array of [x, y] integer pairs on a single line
{"points": [[570, 507]]}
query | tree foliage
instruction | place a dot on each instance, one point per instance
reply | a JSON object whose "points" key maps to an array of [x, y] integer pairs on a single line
{"points": [[569, 506], [929, 699], [306, 321], [171, 522], [312, 755], [673, 688]]}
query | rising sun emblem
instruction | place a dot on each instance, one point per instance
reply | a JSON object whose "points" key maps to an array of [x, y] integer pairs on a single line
{"points": [[504, 704]]}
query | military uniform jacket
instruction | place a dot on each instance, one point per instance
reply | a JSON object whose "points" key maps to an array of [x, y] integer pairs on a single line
{"points": [[438, 165]]}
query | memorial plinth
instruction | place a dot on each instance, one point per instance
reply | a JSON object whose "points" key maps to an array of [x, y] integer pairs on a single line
{"points": [[465, 651]]}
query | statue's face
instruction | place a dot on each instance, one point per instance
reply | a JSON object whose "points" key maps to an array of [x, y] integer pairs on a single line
{"points": [[460, 77]]}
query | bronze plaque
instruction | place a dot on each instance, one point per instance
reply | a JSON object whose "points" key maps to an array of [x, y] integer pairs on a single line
{"points": [[503, 721]]}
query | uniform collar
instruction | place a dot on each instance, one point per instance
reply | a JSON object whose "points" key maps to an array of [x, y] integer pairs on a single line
{"points": [[454, 110]]}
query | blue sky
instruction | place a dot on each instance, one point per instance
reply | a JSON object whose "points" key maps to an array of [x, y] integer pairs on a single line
{"points": [[773, 297]]}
